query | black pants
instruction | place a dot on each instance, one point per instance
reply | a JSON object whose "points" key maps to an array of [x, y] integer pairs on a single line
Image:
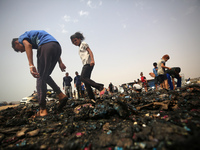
{"points": [[47, 56], [85, 78], [78, 87]]}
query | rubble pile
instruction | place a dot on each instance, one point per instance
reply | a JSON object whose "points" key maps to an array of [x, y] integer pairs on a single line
{"points": [[154, 120]]}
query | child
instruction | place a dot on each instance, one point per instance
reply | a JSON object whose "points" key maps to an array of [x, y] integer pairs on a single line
{"points": [[87, 58], [161, 71], [155, 69], [144, 81], [48, 54]]}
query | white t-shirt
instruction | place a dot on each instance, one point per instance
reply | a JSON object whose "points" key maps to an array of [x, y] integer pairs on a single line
{"points": [[161, 70], [84, 54]]}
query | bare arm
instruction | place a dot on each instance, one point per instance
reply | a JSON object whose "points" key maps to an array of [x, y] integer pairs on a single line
{"points": [[29, 53], [62, 66], [163, 66], [92, 63], [173, 83]]}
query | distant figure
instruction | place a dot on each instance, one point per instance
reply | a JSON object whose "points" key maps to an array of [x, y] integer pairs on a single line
{"points": [[173, 73], [67, 85], [82, 90], [110, 87], [48, 54], [77, 83], [144, 81], [162, 78], [88, 64], [155, 69]]}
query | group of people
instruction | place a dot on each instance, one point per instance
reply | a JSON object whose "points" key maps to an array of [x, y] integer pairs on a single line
{"points": [[163, 75], [67, 87], [48, 54]]}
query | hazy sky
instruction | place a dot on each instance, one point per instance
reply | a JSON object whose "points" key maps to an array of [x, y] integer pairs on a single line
{"points": [[126, 37]]}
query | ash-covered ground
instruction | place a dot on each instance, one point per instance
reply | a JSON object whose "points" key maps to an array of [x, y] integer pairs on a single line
{"points": [[157, 120]]}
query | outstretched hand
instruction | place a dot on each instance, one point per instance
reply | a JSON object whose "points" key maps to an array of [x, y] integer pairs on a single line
{"points": [[34, 72]]}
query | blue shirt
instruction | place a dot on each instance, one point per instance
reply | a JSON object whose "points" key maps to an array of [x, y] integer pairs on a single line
{"points": [[155, 71], [67, 81], [36, 38], [77, 80]]}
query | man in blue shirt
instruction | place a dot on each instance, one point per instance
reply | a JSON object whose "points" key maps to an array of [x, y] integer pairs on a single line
{"points": [[67, 85], [77, 84], [48, 54]]}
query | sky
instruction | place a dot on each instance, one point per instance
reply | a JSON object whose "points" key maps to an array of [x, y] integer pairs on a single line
{"points": [[125, 36]]}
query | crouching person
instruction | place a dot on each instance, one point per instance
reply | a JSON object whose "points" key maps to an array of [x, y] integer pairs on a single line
{"points": [[48, 54], [171, 74]]}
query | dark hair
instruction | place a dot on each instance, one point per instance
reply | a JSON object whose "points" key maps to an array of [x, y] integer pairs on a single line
{"points": [[77, 35], [13, 44], [177, 70], [154, 64]]}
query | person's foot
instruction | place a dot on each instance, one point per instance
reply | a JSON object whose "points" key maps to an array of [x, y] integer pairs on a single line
{"points": [[40, 113], [62, 102], [43, 112]]}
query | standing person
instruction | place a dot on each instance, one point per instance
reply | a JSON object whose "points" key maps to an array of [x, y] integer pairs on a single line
{"points": [[110, 87], [155, 69], [161, 71], [144, 81], [77, 83], [174, 73], [87, 58], [82, 90], [48, 54], [67, 85]]}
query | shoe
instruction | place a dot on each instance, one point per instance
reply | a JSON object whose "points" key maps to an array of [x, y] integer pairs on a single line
{"points": [[62, 103], [101, 87]]}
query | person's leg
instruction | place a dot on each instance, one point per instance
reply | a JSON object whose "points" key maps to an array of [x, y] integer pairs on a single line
{"points": [[85, 77], [48, 55], [78, 90], [65, 90], [179, 82], [169, 81], [70, 91]]}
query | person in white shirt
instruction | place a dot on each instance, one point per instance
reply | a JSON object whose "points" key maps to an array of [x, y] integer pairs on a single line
{"points": [[87, 58]]}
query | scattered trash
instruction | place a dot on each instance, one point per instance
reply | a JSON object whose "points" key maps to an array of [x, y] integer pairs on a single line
{"points": [[154, 120]]}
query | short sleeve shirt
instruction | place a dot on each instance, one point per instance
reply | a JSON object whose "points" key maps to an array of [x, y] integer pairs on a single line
{"points": [[155, 71], [84, 54], [36, 38], [161, 71]]}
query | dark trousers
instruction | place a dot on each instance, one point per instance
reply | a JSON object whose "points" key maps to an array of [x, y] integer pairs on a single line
{"points": [[78, 87], [85, 78], [47, 56]]}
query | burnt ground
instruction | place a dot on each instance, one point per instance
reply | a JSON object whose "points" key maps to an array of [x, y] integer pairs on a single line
{"points": [[157, 120]]}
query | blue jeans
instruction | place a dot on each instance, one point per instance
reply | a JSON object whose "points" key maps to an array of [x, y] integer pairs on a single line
{"points": [[170, 81]]}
